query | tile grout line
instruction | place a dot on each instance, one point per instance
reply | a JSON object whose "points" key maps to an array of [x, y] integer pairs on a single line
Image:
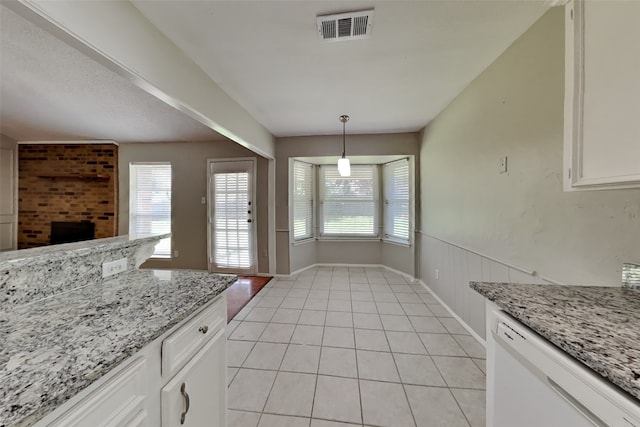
{"points": [[328, 281], [277, 370]]}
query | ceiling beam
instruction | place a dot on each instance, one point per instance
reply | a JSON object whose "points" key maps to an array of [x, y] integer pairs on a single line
{"points": [[118, 36]]}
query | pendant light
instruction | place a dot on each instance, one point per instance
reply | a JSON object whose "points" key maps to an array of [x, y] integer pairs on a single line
{"points": [[344, 167]]}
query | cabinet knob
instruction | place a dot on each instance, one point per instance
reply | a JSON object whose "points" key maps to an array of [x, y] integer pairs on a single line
{"points": [[187, 402], [204, 329]]}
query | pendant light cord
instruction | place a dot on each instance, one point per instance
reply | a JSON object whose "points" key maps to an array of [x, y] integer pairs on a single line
{"points": [[343, 140]]}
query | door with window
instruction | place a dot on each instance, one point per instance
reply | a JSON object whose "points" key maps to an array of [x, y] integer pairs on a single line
{"points": [[231, 222]]}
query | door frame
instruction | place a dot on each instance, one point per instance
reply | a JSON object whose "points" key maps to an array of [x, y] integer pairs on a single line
{"points": [[210, 205]]}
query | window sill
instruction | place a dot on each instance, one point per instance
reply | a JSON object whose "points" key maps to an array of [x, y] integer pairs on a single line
{"points": [[402, 243], [303, 242], [348, 239]]}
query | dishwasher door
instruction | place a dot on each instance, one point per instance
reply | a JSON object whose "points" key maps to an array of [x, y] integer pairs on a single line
{"points": [[531, 383]]}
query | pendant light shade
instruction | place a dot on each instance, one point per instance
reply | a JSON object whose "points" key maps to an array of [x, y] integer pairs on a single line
{"points": [[344, 167]]}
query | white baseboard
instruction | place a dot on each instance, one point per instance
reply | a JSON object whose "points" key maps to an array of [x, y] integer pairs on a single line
{"points": [[455, 316]]}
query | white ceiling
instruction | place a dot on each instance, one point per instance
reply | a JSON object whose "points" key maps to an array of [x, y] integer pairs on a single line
{"points": [[268, 57], [50, 91]]}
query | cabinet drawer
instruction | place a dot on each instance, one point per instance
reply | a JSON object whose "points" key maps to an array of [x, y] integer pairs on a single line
{"points": [[119, 402], [180, 346]]}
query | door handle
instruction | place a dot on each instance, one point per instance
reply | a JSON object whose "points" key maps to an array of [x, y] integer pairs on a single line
{"points": [[187, 402], [249, 220]]}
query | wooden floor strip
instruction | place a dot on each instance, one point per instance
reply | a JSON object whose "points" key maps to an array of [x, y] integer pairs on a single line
{"points": [[241, 292]]}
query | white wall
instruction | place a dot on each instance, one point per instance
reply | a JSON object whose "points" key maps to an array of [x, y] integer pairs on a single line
{"points": [[292, 257], [522, 218]]}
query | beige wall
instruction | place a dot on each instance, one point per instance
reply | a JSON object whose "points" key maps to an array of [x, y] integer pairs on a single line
{"points": [[515, 109], [189, 215], [292, 258], [6, 142]]}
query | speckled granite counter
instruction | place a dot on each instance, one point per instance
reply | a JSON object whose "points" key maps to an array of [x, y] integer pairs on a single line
{"points": [[598, 326], [55, 347]]}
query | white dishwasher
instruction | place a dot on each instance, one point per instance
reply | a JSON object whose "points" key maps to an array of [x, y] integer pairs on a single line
{"points": [[531, 383]]}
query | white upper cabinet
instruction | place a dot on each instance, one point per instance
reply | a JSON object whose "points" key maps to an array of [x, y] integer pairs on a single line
{"points": [[602, 95]]}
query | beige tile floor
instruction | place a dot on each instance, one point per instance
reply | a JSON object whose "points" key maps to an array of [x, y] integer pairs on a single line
{"points": [[336, 347]]}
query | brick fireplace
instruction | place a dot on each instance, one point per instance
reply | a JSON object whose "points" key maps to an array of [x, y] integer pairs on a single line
{"points": [[66, 183]]}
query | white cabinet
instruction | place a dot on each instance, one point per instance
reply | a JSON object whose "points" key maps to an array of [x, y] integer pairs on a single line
{"points": [[181, 345], [196, 396], [602, 95], [120, 402]]}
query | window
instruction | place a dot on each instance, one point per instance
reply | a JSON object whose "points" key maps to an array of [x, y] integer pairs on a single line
{"points": [[302, 200], [348, 205], [150, 203], [396, 200]]}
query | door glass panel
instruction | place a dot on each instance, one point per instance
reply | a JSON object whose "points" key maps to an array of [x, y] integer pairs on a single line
{"points": [[232, 220]]}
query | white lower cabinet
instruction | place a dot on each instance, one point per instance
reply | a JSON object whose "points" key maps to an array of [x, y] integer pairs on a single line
{"points": [[196, 396], [120, 402]]}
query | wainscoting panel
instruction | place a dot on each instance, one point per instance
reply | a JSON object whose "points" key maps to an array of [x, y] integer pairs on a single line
{"points": [[447, 270]]}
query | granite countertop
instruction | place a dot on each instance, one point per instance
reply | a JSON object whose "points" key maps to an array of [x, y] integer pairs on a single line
{"points": [[598, 326], [53, 348], [63, 251]]}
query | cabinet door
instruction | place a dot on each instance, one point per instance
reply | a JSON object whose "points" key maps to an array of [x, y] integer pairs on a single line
{"points": [[197, 395], [602, 95], [118, 403]]}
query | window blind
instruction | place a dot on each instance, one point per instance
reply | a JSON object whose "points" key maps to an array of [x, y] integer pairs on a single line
{"points": [[302, 200], [349, 204], [396, 200], [150, 203], [232, 231]]}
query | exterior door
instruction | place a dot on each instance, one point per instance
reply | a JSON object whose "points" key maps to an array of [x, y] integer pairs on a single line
{"points": [[232, 235], [8, 199]]}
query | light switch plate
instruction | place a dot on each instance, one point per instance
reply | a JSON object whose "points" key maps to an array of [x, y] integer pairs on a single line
{"points": [[114, 267], [502, 165]]}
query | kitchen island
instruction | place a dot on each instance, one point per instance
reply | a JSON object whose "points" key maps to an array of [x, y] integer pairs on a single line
{"points": [[58, 345]]}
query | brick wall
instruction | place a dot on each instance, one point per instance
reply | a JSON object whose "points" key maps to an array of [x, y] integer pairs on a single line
{"points": [[58, 183]]}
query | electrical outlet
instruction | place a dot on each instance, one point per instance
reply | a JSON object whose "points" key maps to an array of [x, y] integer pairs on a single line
{"points": [[176, 253], [114, 267], [437, 274]]}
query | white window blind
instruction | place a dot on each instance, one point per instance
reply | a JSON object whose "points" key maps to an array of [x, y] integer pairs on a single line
{"points": [[349, 204], [232, 229], [302, 200], [150, 203], [396, 200]]}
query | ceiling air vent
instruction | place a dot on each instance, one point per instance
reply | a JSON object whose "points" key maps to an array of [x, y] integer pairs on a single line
{"points": [[345, 26]]}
